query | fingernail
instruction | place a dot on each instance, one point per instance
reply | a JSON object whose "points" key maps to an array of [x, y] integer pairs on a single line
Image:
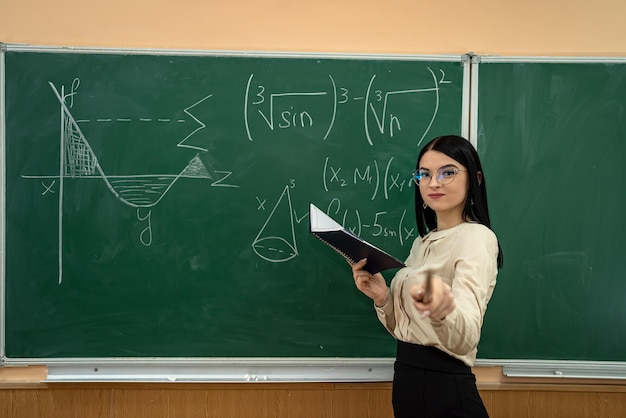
{"points": [[425, 314]]}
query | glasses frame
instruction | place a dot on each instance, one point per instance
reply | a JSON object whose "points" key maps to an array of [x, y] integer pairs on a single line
{"points": [[440, 177]]}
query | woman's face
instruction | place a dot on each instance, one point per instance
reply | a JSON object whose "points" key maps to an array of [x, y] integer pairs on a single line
{"points": [[445, 199]]}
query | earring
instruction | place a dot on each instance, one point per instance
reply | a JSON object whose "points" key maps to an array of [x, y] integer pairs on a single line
{"points": [[471, 202], [424, 205]]}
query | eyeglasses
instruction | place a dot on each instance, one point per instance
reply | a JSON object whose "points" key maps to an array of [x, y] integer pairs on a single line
{"points": [[445, 175]]}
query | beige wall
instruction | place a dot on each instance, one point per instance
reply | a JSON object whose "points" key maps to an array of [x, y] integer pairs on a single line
{"points": [[501, 27]]}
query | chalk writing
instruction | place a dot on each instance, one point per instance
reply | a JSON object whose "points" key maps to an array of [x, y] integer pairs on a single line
{"points": [[77, 160], [388, 122], [269, 244], [382, 179], [292, 117]]}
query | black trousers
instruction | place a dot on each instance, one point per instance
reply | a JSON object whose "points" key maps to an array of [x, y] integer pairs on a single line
{"points": [[429, 383]]}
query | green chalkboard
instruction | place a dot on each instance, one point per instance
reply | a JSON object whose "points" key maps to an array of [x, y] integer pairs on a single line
{"points": [[156, 203], [553, 139]]}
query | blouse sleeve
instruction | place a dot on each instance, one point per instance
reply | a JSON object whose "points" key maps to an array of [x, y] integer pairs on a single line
{"points": [[386, 313], [475, 270]]}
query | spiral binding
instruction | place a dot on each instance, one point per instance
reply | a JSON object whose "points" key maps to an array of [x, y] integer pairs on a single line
{"points": [[344, 255]]}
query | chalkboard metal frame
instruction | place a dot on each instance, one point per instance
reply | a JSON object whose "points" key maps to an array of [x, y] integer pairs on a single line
{"points": [[2, 204], [216, 370], [202, 369], [542, 368]]}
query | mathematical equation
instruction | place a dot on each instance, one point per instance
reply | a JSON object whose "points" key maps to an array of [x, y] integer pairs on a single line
{"points": [[383, 178], [280, 110], [381, 224]]}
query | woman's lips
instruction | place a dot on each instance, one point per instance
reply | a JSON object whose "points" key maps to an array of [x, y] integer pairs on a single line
{"points": [[435, 195]]}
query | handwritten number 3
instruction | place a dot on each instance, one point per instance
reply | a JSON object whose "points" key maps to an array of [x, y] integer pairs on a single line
{"points": [[260, 95]]}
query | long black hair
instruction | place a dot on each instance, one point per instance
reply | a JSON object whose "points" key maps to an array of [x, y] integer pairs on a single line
{"points": [[475, 208]]}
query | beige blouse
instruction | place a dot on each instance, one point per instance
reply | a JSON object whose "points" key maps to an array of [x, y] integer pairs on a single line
{"points": [[465, 257]]}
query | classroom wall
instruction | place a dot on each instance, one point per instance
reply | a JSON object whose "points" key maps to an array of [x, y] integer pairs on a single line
{"points": [[494, 27], [530, 27]]}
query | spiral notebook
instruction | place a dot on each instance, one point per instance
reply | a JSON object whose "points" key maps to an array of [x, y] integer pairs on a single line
{"points": [[348, 244]]}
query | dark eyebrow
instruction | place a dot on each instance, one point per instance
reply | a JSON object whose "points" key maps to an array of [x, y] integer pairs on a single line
{"points": [[443, 166], [449, 166]]}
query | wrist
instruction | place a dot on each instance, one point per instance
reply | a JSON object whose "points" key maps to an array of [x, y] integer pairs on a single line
{"points": [[382, 302]]}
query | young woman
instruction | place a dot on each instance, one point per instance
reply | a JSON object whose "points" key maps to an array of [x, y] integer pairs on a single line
{"points": [[435, 306]]}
